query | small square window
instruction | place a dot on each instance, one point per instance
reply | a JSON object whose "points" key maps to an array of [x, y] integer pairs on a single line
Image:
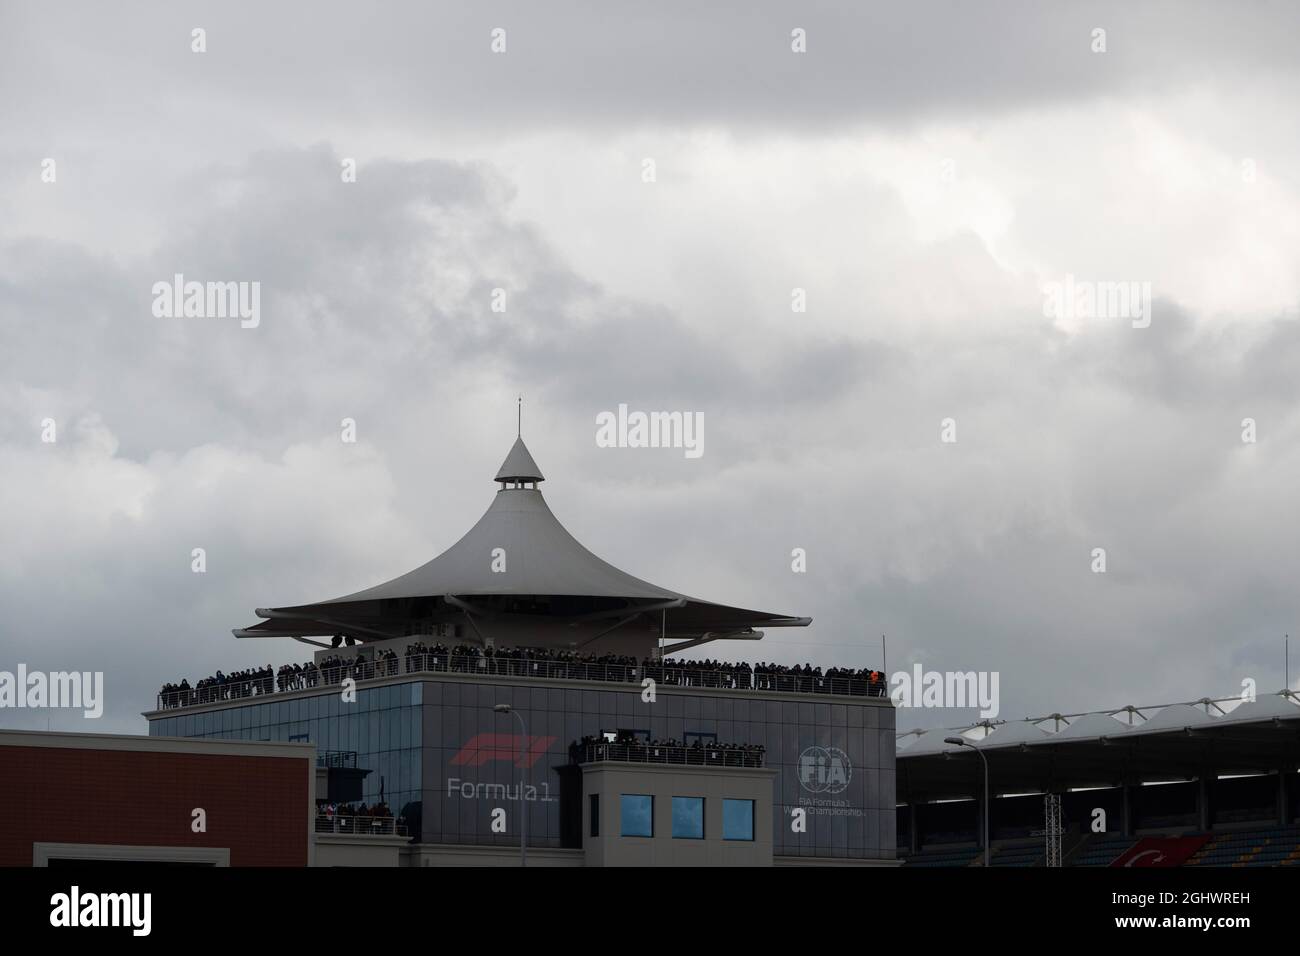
{"points": [[688, 818], [638, 813], [738, 819], [594, 801]]}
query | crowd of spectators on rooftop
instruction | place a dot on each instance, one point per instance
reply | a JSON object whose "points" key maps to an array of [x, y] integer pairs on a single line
{"points": [[357, 818], [627, 746], [297, 676], [551, 663], [521, 662], [219, 686]]}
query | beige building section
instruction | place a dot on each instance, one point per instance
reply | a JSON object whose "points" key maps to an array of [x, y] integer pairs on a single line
{"points": [[663, 782]]}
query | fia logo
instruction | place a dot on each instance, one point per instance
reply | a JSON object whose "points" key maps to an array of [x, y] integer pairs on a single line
{"points": [[824, 770]]}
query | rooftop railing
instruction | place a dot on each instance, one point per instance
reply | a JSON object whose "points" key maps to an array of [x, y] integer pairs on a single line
{"points": [[664, 674], [638, 752], [357, 825], [337, 758]]}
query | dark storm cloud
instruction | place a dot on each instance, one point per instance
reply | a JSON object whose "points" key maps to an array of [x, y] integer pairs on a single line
{"points": [[391, 277], [377, 307], [821, 434]]}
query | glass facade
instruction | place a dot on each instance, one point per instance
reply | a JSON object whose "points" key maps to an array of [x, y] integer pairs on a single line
{"points": [[835, 759], [438, 746], [688, 818], [383, 727]]}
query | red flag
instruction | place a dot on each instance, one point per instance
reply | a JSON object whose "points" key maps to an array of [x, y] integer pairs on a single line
{"points": [[1160, 851]]}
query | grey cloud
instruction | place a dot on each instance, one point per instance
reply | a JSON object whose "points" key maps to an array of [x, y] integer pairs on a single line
{"points": [[821, 435], [627, 64]]}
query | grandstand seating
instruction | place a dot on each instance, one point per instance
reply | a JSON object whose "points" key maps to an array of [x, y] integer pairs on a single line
{"points": [[945, 855], [1259, 846], [1020, 853], [1100, 849]]}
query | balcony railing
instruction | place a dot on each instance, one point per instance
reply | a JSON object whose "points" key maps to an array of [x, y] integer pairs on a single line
{"points": [[337, 758], [666, 675], [360, 826], [637, 752]]}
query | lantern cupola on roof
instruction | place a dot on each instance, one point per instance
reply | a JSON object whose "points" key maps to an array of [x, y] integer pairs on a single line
{"points": [[519, 467]]}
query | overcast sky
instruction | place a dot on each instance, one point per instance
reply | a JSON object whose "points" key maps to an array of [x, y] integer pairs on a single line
{"points": [[923, 171]]}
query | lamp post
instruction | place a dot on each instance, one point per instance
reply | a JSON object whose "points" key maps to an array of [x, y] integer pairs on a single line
{"points": [[523, 781], [988, 837]]}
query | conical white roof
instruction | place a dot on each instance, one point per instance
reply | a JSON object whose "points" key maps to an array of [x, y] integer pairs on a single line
{"points": [[518, 547], [541, 557], [519, 465]]}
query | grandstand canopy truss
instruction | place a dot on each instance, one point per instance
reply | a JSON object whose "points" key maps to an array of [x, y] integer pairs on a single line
{"points": [[1106, 748]]}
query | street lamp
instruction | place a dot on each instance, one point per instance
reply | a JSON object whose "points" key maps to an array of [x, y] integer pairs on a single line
{"points": [[523, 781], [988, 837]]}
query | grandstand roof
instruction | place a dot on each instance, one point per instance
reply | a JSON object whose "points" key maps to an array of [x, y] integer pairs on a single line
{"points": [[929, 742], [1169, 741], [1091, 726], [1013, 733], [1175, 717], [1268, 707], [517, 550]]}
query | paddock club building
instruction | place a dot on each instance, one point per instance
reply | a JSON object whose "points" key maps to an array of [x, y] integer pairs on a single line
{"points": [[475, 678]]}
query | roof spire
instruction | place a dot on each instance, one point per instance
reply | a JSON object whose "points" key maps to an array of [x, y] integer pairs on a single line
{"points": [[519, 421]]}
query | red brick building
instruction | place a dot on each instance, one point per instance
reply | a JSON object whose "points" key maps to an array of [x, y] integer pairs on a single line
{"points": [[108, 797]]}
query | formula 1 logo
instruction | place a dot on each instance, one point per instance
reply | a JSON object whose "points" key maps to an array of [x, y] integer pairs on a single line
{"points": [[490, 748], [824, 770]]}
